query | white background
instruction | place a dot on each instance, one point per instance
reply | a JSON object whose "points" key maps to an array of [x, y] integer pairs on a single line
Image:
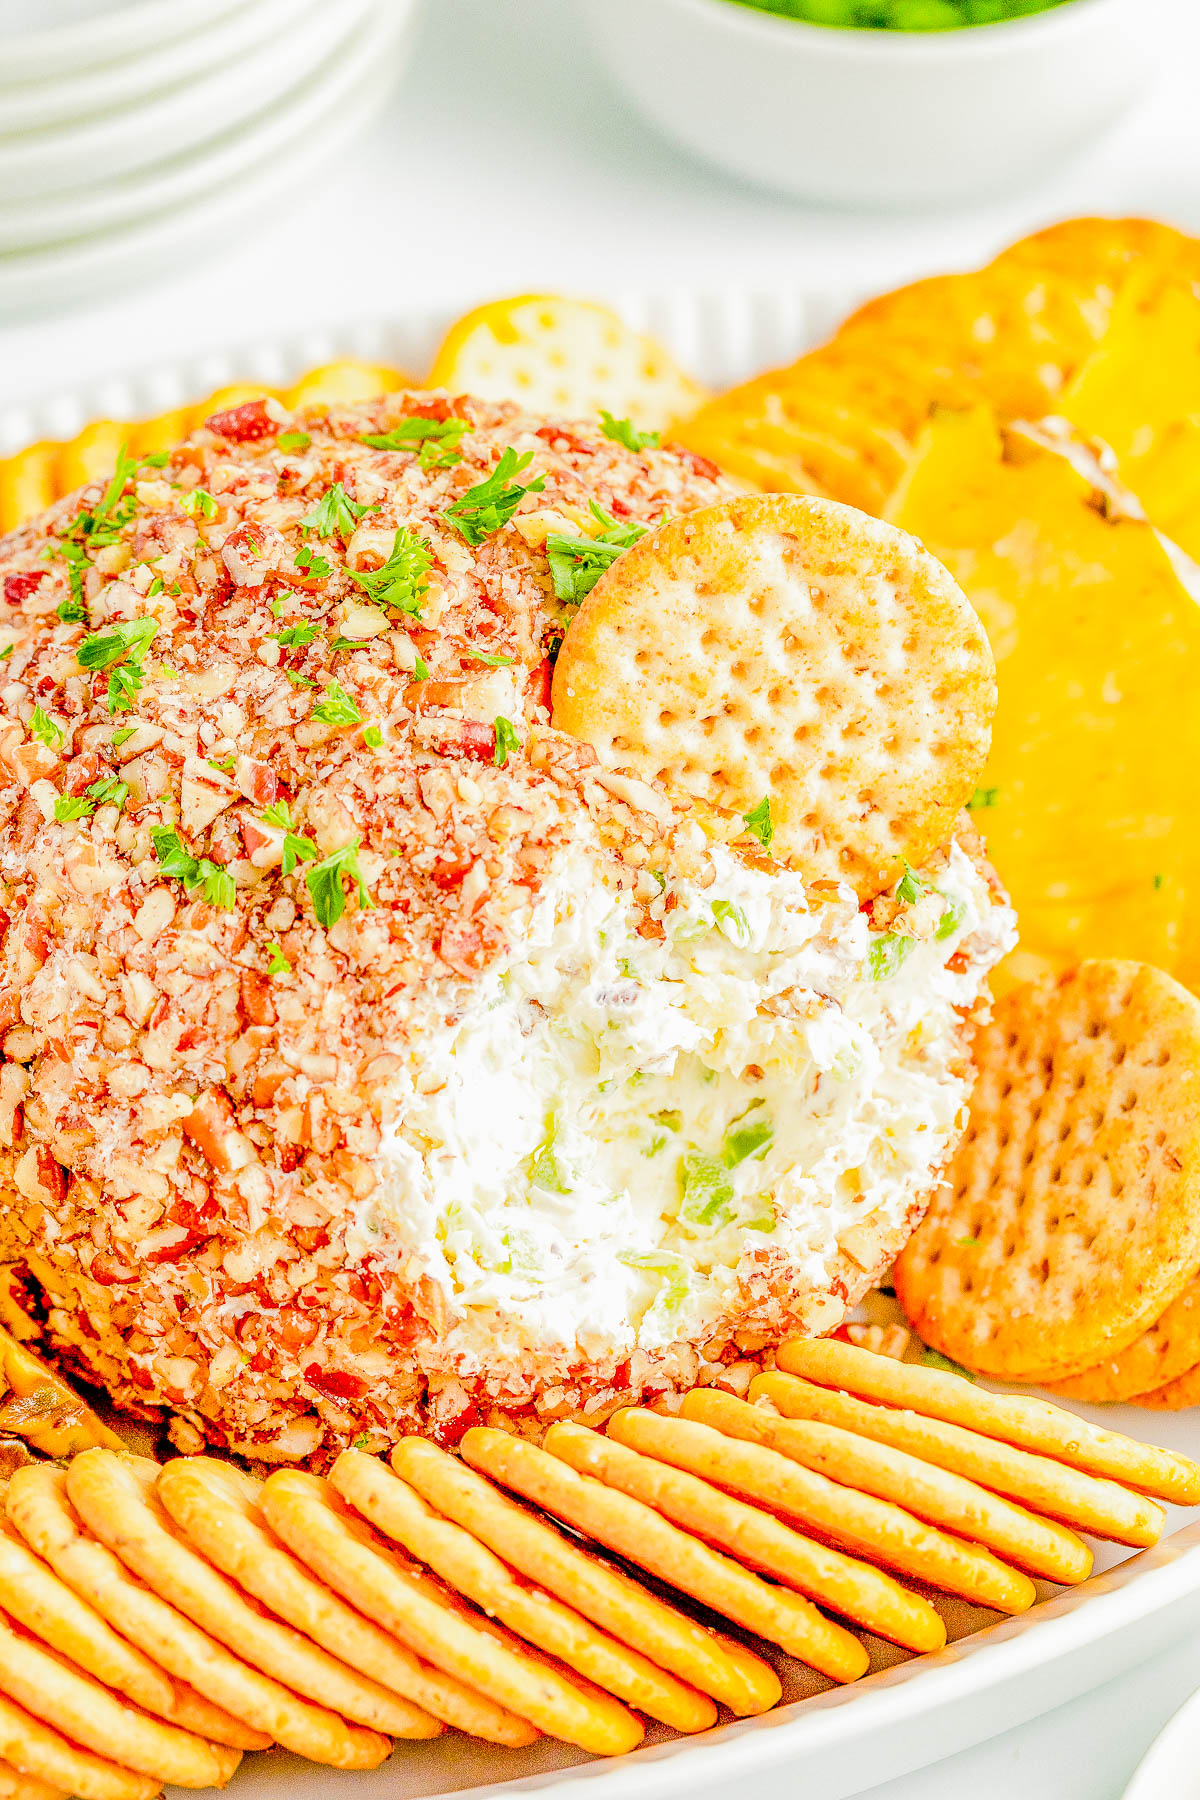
{"points": [[507, 163]]}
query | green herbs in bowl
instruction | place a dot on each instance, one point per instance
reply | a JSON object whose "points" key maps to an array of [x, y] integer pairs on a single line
{"points": [[902, 15]]}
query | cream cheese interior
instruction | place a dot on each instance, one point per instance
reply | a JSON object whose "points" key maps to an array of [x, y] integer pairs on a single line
{"points": [[586, 1154]]}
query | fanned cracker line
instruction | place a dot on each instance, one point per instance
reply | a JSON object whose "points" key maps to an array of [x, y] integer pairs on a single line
{"points": [[1069, 1219], [868, 1528], [1164, 1353], [687, 1649], [1038, 1546], [15, 1786], [43, 1754], [1015, 1419], [400, 1513], [792, 648]]}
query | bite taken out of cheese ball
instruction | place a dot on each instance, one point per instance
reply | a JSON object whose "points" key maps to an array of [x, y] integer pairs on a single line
{"points": [[374, 1060]]}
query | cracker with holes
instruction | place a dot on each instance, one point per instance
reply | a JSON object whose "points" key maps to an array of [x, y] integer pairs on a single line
{"points": [[789, 646], [1069, 1222], [681, 1467], [563, 1478], [39, 1507], [310, 1516], [65, 1697], [396, 1510], [704, 1662]]}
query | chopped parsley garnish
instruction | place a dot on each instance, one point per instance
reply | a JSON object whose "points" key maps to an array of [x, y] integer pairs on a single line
{"points": [[577, 563], [295, 637], [492, 661], [309, 563], [886, 955], [1159, 880], [420, 669], [933, 1359], [967, 1243], [336, 707], [123, 735], [299, 680], [436, 441], [758, 822], [95, 530], [324, 883], [706, 1192], [372, 737], [109, 791], [121, 638], [72, 611], [294, 440], [506, 741], [6, 652], [401, 583], [178, 864], [277, 962], [73, 806], [296, 849], [46, 730], [621, 431], [488, 506], [910, 887], [748, 1136], [335, 514], [226, 764], [951, 919], [982, 798], [200, 504]]}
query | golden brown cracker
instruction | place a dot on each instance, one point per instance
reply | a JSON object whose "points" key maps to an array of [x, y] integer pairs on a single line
{"points": [[63, 1696], [815, 657], [1017, 1419], [1168, 1350], [311, 1517], [216, 1507], [400, 1514], [698, 1655], [1174, 1396], [700, 1460], [116, 1498], [15, 1786], [635, 1528], [37, 1599], [1068, 1222], [39, 1507], [38, 1751], [1037, 1545]]}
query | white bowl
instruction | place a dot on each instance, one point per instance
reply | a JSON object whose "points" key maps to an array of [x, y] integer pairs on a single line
{"points": [[867, 117], [54, 39]]}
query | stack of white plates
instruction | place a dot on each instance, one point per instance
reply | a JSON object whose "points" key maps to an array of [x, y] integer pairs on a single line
{"points": [[132, 129]]}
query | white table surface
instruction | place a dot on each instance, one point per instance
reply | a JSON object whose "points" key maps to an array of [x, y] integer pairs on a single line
{"points": [[508, 163]]}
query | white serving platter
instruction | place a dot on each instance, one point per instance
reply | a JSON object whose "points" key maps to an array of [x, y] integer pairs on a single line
{"points": [[822, 1745]]}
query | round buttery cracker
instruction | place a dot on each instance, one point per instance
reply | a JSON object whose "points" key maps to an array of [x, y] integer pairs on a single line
{"points": [[39, 1507], [63, 1696], [39, 1752], [36, 1597], [15, 1786], [1174, 1396], [116, 1498], [1157, 1359], [784, 647], [1069, 1220], [706, 1663], [311, 1517]]}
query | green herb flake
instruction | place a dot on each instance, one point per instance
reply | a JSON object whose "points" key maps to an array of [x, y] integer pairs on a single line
{"points": [[506, 741], [216, 885], [706, 1192], [758, 822], [434, 441], [294, 440], [420, 669], [983, 798], [493, 661], [277, 962], [336, 707], [46, 730], [6, 652], [324, 883], [120, 638], [309, 563], [73, 806], [372, 737], [933, 1359], [951, 920], [967, 1243], [488, 506], [109, 791], [886, 955], [621, 431], [199, 504], [335, 514], [910, 887], [297, 680], [122, 735], [296, 637], [401, 584], [577, 563]]}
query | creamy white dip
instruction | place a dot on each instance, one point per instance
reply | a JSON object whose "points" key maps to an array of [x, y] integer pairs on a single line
{"points": [[588, 1152]]}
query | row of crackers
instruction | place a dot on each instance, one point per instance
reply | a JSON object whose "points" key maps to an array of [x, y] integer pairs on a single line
{"points": [[158, 1622]]}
